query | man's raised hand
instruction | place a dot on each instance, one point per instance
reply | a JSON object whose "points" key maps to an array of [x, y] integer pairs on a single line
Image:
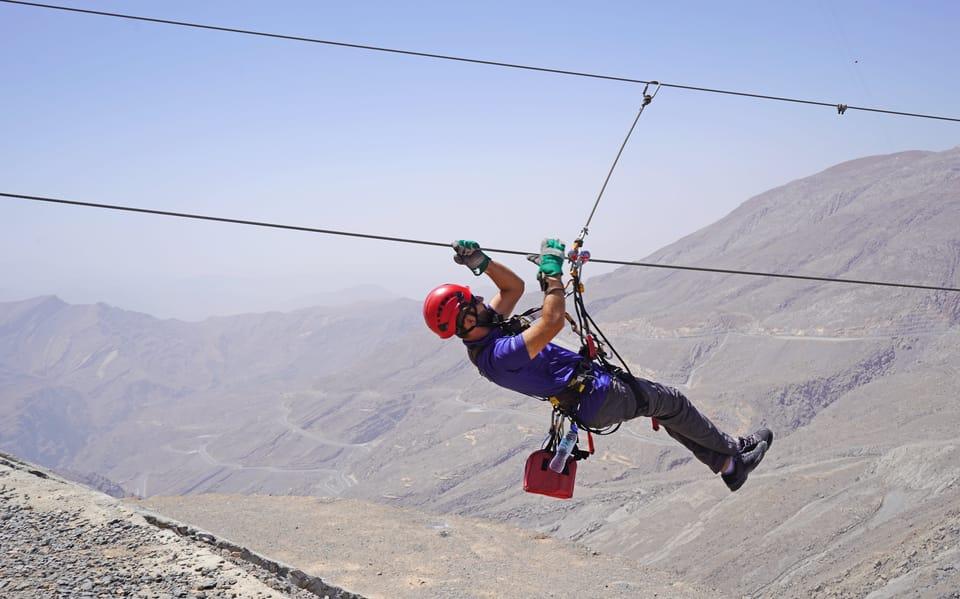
{"points": [[551, 257], [470, 255]]}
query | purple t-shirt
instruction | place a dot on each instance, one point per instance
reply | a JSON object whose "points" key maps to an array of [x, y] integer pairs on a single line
{"points": [[505, 361]]}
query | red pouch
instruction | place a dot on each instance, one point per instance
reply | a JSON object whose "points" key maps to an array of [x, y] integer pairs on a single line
{"points": [[539, 478]]}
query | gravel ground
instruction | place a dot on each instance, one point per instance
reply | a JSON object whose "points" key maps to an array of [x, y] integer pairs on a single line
{"points": [[58, 540]]}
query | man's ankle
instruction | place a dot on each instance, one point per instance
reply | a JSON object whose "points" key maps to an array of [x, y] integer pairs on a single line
{"points": [[728, 466]]}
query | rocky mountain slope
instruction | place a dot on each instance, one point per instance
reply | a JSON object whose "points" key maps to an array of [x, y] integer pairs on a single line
{"points": [[859, 382], [62, 540]]}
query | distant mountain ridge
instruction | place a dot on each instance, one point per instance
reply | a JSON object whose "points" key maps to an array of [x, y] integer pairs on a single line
{"points": [[80, 370]]}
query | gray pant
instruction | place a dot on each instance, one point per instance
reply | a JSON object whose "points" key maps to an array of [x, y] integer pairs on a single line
{"points": [[676, 414]]}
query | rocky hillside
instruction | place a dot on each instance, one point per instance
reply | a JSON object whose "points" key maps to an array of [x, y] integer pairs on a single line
{"points": [[62, 540], [882, 218]]}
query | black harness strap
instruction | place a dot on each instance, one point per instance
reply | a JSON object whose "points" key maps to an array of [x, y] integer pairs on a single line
{"points": [[567, 401]]}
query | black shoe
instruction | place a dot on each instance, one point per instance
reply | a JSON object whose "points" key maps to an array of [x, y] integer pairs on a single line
{"points": [[743, 465], [753, 439]]}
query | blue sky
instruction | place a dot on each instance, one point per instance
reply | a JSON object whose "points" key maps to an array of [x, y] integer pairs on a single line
{"points": [[112, 111]]}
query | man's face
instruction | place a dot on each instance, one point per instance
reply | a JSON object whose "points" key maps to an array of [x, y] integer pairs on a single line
{"points": [[470, 321]]}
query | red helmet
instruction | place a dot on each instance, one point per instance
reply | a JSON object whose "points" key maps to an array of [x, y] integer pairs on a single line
{"points": [[442, 307]]}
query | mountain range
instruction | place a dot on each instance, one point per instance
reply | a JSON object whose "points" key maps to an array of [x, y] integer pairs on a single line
{"points": [[858, 496]]}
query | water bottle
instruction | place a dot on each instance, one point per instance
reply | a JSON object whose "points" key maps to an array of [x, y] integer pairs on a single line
{"points": [[564, 449]]}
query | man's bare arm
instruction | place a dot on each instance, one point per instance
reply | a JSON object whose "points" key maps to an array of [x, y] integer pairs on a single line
{"points": [[550, 275], [510, 286], [551, 320]]}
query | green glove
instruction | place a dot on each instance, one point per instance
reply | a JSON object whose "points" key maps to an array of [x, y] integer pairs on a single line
{"points": [[470, 255], [551, 257]]}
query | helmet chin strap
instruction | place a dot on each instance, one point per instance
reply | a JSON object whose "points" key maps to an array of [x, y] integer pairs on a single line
{"points": [[489, 318], [484, 320], [464, 312]]}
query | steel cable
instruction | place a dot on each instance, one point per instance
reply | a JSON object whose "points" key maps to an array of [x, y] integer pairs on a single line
{"points": [[237, 221], [841, 108]]}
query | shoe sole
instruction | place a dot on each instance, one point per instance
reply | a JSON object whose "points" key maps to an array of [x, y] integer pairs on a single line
{"points": [[762, 455]]}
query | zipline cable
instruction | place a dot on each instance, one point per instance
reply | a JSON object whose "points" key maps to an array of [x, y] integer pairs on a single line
{"points": [[237, 221], [841, 108], [647, 98]]}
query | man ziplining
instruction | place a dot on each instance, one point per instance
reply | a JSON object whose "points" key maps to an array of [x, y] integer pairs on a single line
{"points": [[591, 394]]}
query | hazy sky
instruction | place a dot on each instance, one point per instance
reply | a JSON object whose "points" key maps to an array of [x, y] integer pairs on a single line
{"points": [[104, 110]]}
